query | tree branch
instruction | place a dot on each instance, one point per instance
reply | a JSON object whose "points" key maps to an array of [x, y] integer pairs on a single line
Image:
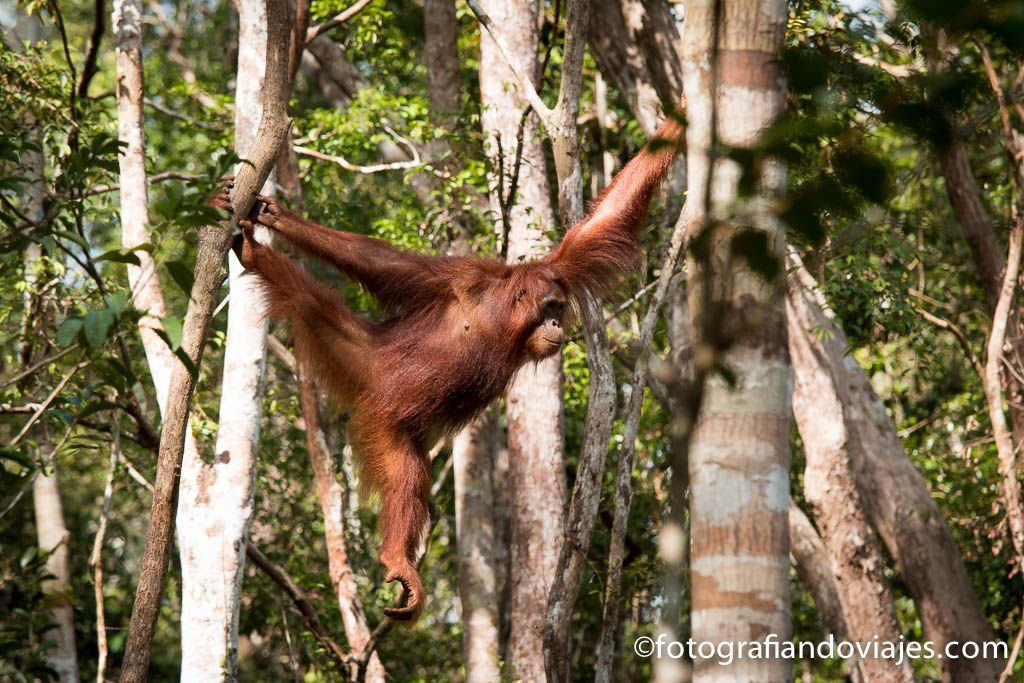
{"points": [[1009, 485], [314, 32], [214, 242], [355, 168], [90, 67], [278, 574], [525, 83]]}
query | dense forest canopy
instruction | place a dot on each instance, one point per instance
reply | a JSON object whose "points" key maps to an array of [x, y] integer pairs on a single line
{"points": [[874, 218]]}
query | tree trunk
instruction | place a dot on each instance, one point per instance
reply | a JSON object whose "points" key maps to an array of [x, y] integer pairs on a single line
{"points": [[217, 496], [638, 48], [739, 458], [831, 489], [332, 503], [214, 242], [477, 529], [814, 569], [54, 538], [534, 405], [51, 531], [899, 506]]}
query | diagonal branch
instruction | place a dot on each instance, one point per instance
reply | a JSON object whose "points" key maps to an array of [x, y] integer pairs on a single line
{"points": [[546, 114], [214, 242], [1009, 484], [301, 601], [314, 32]]}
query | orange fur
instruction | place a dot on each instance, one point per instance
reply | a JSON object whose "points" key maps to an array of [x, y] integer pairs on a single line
{"points": [[459, 329]]}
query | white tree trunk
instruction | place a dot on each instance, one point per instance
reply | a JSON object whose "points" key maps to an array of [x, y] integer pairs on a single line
{"points": [[534, 404], [216, 497], [739, 460], [53, 535], [476, 529], [51, 531]]}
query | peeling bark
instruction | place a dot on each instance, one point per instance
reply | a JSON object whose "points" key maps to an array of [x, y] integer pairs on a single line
{"points": [[534, 403], [739, 457], [831, 489], [477, 528], [900, 508]]}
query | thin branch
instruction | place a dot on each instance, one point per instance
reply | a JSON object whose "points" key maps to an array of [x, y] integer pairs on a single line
{"points": [[525, 83], [136, 475], [1009, 484], [46, 462], [167, 111], [28, 408], [282, 353], [961, 337], [1012, 660], [156, 178], [96, 557], [314, 32], [627, 451], [894, 70], [49, 400], [90, 68], [355, 168], [278, 574], [371, 646], [46, 361], [993, 79]]}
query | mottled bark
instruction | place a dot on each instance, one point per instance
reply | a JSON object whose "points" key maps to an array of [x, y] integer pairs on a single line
{"points": [[534, 403], [51, 530], [622, 62], [900, 508], [739, 457], [479, 536], [831, 489], [814, 569], [214, 242], [975, 222], [53, 537], [217, 495], [332, 504], [441, 52]]}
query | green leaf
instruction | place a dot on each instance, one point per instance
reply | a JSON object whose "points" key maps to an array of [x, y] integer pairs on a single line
{"points": [[96, 326], [182, 276], [116, 302], [172, 331], [68, 330], [118, 256], [14, 455]]}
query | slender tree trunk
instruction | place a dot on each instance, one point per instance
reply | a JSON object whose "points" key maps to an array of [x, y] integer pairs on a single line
{"points": [[831, 489], [739, 458], [217, 497], [534, 405], [214, 242], [51, 530], [353, 618], [898, 504], [479, 535], [54, 538], [814, 569]]}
